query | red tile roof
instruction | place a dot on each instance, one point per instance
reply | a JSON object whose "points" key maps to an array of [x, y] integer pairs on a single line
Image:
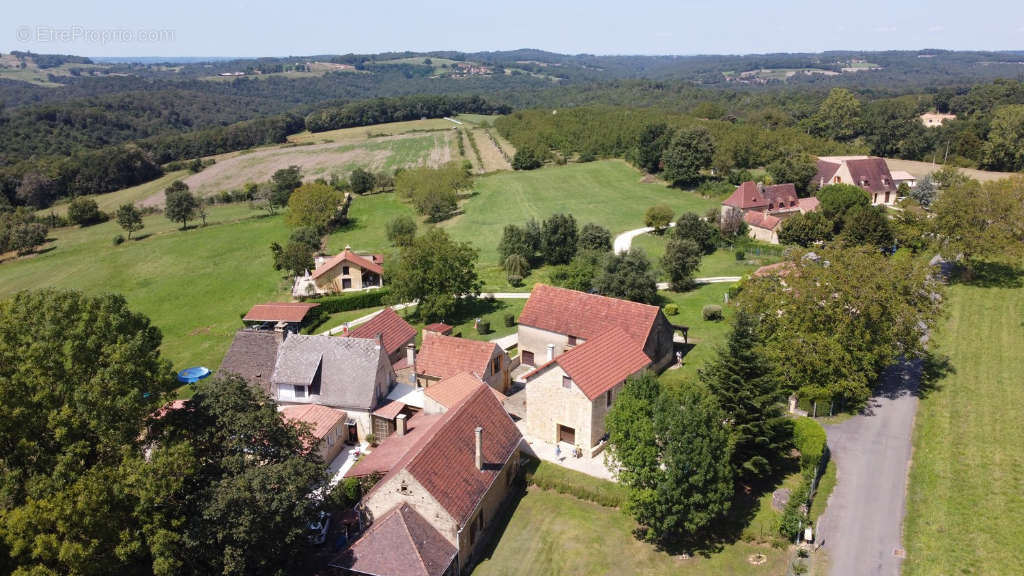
{"points": [[761, 220], [399, 543], [779, 268], [597, 365], [826, 170], [808, 204], [443, 356], [396, 331], [869, 173], [279, 312], [780, 196], [352, 258], [439, 327], [746, 196], [585, 315], [384, 457], [389, 410], [443, 460], [454, 389], [321, 419]]}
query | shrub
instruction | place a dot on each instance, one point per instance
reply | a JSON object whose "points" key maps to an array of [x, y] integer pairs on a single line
{"points": [[371, 439], [515, 280], [564, 481], [711, 312], [671, 310], [510, 320], [740, 255], [351, 301], [809, 439], [483, 327], [118, 239], [84, 211]]}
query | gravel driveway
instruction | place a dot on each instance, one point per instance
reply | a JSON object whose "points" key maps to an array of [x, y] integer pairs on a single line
{"points": [[861, 530]]}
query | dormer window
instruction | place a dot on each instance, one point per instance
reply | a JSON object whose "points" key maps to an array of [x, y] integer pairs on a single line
{"points": [[299, 391]]}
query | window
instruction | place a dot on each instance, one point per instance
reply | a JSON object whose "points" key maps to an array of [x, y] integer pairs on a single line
{"points": [[527, 357], [496, 364], [346, 283], [608, 399], [344, 270], [566, 382], [330, 439], [837, 180], [572, 340], [300, 391]]}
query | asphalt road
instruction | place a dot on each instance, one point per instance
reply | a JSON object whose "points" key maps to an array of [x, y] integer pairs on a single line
{"points": [[861, 530]]}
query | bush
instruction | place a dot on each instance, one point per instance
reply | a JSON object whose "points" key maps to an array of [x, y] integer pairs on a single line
{"points": [[515, 280], [564, 481], [671, 310], [809, 439], [483, 327], [740, 255], [84, 211], [510, 320], [118, 239], [711, 312], [371, 439], [351, 301]]}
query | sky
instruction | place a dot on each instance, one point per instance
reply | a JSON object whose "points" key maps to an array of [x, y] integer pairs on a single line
{"points": [[302, 27]]}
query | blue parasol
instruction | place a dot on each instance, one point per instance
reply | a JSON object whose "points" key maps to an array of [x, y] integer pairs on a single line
{"points": [[193, 374]]}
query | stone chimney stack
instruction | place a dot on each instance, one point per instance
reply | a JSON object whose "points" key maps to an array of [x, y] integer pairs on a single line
{"points": [[400, 425], [410, 354], [479, 448], [551, 352], [380, 339]]}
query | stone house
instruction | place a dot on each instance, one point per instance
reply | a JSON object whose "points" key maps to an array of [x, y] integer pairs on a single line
{"points": [[868, 172], [326, 424], [568, 397], [344, 272], [763, 208], [556, 320], [433, 510], [351, 374], [442, 356]]}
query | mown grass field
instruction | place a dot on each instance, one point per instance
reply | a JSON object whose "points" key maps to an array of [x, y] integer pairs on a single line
{"points": [[705, 336], [555, 534], [722, 262], [608, 192], [966, 492], [192, 284]]}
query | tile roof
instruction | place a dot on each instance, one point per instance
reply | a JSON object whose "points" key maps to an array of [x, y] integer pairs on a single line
{"points": [[384, 457], [443, 460], [390, 410], [826, 170], [902, 175], [443, 356], [869, 173], [808, 204], [586, 316], [321, 419], [352, 258], [401, 543], [780, 268], [597, 365], [252, 356], [453, 389], [439, 327], [780, 196], [349, 368], [396, 331], [279, 312], [746, 196], [761, 220]]}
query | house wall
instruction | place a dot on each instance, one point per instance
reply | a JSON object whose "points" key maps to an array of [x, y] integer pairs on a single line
{"points": [[332, 443], [548, 405], [660, 346], [536, 340], [387, 495], [489, 508], [500, 379], [332, 279], [763, 234]]}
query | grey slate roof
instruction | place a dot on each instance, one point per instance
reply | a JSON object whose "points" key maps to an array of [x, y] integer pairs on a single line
{"points": [[252, 356], [353, 372]]}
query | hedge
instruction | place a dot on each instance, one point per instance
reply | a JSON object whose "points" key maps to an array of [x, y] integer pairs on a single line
{"points": [[809, 438], [564, 481], [350, 301]]}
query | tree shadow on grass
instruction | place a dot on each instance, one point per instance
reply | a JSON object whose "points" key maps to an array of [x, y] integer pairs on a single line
{"points": [[934, 367], [992, 275], [141, 237]]}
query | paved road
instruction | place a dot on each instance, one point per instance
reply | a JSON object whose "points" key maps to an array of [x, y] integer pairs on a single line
{"points": [[623, 241], [862, 527]]}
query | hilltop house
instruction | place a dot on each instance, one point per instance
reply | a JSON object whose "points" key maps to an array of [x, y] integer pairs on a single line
{"points": [[444, 487], [351, 374], [935, 119], [590, 345], [442, 356], [869, 172], [344, 272], [763, 208]]}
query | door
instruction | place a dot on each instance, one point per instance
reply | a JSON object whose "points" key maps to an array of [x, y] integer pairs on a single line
{"points": [[528, 358], [566, 434], [353, 434]]}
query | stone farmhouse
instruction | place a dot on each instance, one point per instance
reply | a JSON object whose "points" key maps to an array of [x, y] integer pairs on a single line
{"points": [[869, 172], [432, 511], [442, 356], [763, 208], [344, 272], [588, 346]]}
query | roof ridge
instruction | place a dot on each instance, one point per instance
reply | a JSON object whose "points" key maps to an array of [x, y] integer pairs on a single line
{"points": [[408, 533]]}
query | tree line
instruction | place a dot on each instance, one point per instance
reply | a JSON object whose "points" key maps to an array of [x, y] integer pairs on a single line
{"points": [[382, 110]]}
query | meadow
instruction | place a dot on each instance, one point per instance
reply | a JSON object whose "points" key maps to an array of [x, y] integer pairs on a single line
{"points": [[965, 498]]}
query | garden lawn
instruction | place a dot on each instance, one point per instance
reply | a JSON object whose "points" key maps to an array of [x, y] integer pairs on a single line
{"points": [[608, 193], [193, 284], [722, 262], [966, 490], [552, 534], [705, 336]]}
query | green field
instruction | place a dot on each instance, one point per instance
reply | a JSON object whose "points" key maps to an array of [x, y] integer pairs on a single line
{"points": [[966, 495], [704, 336], [552, 534], [608, 192], [723, 262]]}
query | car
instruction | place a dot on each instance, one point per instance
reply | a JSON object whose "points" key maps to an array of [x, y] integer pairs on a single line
{"points": [[318, 529]]}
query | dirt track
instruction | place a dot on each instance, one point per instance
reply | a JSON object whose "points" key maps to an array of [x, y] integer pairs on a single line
{"points": [[919, 169]]}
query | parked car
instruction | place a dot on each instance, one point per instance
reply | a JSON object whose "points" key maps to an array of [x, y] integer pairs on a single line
{"points": [[318, 529]]}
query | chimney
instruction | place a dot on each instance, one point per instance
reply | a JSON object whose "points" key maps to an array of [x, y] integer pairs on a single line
{"points": [[380, 339], [400, 428], [479, 448], [551, 352], [410, 354]]}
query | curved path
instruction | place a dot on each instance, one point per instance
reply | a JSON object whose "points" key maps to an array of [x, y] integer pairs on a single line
{"points": [[623, 241]]}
